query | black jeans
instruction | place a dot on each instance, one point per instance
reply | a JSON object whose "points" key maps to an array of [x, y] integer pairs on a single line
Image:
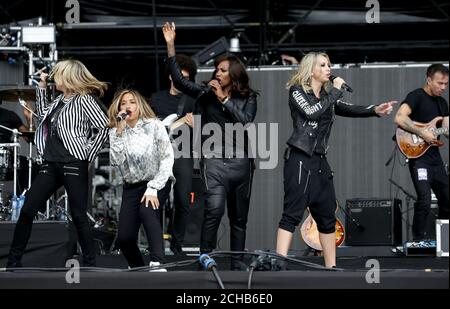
{"points": [[74, 177], [228, 182], [426, 178], [132, 214], [182, 171]]}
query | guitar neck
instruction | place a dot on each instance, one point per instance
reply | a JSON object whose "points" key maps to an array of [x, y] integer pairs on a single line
{"points": [[440, 131]]}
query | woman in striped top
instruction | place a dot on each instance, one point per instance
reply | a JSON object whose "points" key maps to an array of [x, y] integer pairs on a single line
{"points": [[71, 131]]}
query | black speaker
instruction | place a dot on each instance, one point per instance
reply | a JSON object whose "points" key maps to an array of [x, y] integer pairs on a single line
{"points": [[195, 219], [373, 222]]}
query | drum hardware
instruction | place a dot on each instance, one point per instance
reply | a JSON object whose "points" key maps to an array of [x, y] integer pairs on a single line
{"points": [[13, 145], [22, 94], [30, 134], [12, 93]]}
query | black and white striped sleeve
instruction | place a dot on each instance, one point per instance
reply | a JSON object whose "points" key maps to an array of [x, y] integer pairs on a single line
{"points": [[41, 102], [98, 122]]}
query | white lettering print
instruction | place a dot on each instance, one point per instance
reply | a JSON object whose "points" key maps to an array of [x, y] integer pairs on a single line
{"points": [[313, 124], [422, 174], [304, 104]]}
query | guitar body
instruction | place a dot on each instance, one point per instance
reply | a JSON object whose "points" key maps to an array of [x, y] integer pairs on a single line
{"points": [[310, 233], [411, 145]]}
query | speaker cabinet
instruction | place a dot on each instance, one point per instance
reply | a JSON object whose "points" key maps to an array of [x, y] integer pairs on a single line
{"points": [[373, 222], [195, 220]]}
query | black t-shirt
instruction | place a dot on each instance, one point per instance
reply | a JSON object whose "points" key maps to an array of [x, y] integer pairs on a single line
{"points": [[424, 109], [8, 119], [164, 104], [54, 148]]}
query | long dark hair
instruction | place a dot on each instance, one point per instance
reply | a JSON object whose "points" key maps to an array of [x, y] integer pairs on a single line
{"points": [[238, 75]]}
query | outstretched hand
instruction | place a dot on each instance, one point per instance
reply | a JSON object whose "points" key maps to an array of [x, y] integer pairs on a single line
{"points": [[169, 32], [385, 109]]}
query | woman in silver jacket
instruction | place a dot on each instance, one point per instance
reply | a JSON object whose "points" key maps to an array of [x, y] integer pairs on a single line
{"points": [[140, 147]]}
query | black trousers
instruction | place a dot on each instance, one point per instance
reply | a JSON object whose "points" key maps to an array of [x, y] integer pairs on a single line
{"points": [[308, 182], [182, 171], [426, 178], [228, 182], [132, 214], [52, 175]]}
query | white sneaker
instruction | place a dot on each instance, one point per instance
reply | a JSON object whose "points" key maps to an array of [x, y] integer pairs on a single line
{"points": [[155, 264]]}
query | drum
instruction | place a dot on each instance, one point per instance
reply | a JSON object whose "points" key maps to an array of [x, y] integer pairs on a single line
{"points": [[7, 164]]}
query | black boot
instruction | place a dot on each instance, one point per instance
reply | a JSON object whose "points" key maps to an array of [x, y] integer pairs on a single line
{"points": [[279, 265]]}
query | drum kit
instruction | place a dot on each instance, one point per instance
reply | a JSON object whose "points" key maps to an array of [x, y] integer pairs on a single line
{"points": [[9, 154]]}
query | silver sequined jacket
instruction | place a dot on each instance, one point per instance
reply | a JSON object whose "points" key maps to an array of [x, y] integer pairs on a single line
{"points": [[143, 153]]}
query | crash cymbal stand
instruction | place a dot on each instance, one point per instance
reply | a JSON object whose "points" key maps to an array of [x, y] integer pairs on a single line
{"points": [[30, 144]]}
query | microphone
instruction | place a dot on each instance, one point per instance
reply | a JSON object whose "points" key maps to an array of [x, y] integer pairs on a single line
{"points": [[122, 116], [209, 88], [207, 262], [38, 78], [344, 85]]}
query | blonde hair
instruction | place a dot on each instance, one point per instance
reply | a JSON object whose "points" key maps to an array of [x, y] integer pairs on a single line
{"points": [[144, 110], [76, 77], [303, 76]]}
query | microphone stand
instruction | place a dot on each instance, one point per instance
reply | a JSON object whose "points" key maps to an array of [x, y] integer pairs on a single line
{"points": [[15, 145], [30, 149], [408, 198]]}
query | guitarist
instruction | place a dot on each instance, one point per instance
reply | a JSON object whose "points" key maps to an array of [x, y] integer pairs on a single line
{"points": [[428, 172], [165, 103]]}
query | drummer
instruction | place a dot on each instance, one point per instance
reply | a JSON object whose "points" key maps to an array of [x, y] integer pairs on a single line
{"points": [[10, 120]]}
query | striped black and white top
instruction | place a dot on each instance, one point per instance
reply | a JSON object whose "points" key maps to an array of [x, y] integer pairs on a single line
{"points": [[81, 124]]}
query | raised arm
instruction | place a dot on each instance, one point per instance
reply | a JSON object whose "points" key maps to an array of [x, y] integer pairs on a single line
{"points": [[181, 83]]}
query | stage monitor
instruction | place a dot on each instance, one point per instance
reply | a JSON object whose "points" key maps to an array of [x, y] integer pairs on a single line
{"points": [[207, 55]]}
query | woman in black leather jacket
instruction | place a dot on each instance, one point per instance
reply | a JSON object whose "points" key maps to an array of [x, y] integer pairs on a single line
{"points": [[227, 168], [308, 179]]}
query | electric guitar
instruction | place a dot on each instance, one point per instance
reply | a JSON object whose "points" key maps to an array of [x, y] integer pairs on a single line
{"points": [[172, 122], [310, 233], [413, 146]]}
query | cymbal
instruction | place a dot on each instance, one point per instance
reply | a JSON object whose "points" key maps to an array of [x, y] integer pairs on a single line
{"points": [[12, 93]]}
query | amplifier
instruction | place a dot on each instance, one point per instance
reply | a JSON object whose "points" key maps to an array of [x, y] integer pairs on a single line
{"points": [[373, 222]]}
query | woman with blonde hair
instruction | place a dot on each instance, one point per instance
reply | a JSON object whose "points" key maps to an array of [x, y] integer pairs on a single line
{"points": [[140, 147], [71, 131], [315, 97]]}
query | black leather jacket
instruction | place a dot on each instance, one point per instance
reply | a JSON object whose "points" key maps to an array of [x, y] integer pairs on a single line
{"points": [[313, 117], [236, 110]]}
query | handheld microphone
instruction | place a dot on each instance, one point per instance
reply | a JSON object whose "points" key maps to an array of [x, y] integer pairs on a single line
{"points": [[38, 78], [122, 116], [207, 262], [209, 88], [344, 85]]}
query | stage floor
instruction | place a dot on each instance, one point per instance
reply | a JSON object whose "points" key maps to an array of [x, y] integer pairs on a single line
{"points": [[395, 273]]}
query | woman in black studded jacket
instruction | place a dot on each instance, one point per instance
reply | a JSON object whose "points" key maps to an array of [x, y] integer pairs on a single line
{"points": [[308, 179], [227, 168]]}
